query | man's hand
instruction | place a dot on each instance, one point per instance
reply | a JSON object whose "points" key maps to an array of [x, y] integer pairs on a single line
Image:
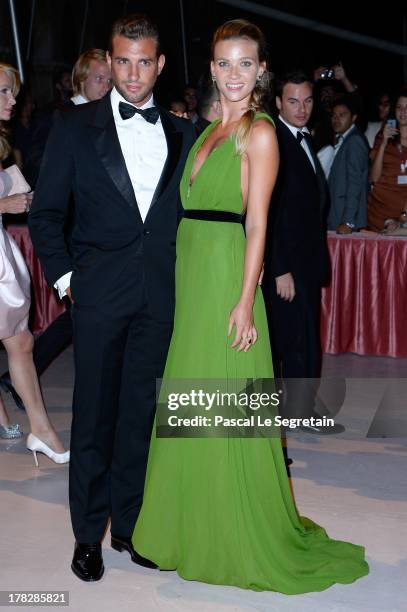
{"points": [[339, 72], [68, 293], [318, 71], [285, 286], [180, 114], [342, 228]]}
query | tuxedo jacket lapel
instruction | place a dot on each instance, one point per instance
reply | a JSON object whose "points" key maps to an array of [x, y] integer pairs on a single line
{"points": [[322, 183], [108, 148], [174, 145], [318, 173], [298, 146]]}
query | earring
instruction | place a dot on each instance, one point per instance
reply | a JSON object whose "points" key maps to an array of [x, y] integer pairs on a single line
{"points": [[259, 77], [213, 78]]}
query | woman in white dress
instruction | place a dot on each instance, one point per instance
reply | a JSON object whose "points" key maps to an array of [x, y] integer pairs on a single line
{"points": [[15, 305]]}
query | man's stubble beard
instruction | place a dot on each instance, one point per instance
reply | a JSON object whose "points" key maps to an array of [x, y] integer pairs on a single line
{"points": [[133, 98]]}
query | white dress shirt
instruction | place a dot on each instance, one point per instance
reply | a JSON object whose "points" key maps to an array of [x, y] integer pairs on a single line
{"points": [[79, 99], [327, 154], [339, 138], [294, 130], [144, 148], [326, 158]]}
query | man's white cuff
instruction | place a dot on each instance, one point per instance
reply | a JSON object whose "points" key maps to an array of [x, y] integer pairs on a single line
{"points": [[62, 284]]}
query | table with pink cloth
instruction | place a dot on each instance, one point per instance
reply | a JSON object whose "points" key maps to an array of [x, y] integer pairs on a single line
{"points": [[45, 304], [365, 306], [364, 309]]}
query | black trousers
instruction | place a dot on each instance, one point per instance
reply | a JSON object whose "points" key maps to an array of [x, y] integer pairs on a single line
{"points": [[55, 339], [295, 340], [119, 351]]}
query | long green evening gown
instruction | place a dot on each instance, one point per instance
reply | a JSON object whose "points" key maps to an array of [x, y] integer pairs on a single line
{"points": [[220, 510]]}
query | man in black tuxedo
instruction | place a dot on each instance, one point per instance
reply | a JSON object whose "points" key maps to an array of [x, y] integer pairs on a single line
{"points": [[296, 260], [122, 157]]}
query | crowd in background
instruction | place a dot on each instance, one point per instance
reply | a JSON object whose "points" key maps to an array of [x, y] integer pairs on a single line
{"points": [[367, 179]]}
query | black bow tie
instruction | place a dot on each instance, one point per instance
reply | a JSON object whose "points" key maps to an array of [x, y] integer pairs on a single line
{"points": [[128, 110], [306, 135]]}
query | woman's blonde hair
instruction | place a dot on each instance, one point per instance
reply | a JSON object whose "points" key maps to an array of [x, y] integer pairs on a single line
{"points": [[81, 69], [240, 28], [14, 76]]}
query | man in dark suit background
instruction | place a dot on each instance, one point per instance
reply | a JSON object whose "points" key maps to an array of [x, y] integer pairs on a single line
{"points": [[122, 157], [349, 173], [296, 261]]}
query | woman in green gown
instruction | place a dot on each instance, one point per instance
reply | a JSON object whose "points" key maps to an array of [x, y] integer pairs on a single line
{"points": [[220, 510]]}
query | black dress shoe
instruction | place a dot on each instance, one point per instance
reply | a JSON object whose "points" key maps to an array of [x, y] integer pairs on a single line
{"points": [[288, 461], [120, 544], [87, 562], [6, 385]]}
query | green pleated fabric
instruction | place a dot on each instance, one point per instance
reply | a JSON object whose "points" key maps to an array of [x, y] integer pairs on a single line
{"points": [[220, 510]]}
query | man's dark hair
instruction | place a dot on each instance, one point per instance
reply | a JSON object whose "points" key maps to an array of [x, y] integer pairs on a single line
{"points": [[208, 97], [135, 27], [296, 77], [348, 102]]}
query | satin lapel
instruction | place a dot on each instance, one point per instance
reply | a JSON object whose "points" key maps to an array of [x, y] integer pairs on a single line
{"points": [[108, 148], [289, 136], [174, 145], [308, 140], [321, 179], [318, 173]]}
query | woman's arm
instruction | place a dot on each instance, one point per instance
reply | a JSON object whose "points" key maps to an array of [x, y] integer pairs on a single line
{"points": [[377, 165], [16, 204], [262, 159]]}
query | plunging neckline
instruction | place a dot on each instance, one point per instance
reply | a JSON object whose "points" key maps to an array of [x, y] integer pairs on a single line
{"points": [[192, 182]]}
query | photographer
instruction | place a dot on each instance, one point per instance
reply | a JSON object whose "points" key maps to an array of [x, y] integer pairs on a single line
{"points": [[330, 84]]}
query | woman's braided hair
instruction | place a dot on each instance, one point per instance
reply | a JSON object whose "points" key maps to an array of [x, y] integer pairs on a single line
{"points": [[240, 28]]}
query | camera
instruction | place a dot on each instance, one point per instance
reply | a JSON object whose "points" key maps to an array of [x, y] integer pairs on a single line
{"points": [[327, 74]]}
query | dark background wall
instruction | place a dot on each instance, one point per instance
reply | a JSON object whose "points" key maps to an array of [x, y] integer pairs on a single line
{"points": [[64, 28]]}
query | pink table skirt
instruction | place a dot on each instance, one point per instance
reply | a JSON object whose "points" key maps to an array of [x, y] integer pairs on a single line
{"points": [[45, 305], [364, 310]]}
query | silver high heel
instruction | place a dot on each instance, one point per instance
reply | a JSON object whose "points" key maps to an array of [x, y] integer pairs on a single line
{"points": [[36, 445], [10, 432]]}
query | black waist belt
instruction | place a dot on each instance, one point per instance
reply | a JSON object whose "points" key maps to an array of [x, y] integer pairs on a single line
{"points": [[213, 215]]}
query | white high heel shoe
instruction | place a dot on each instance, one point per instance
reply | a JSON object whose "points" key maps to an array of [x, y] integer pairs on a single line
{"points": [[36, 445]]}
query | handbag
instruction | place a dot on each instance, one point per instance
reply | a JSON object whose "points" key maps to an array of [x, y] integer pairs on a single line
{"points": [[12, 182]]}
